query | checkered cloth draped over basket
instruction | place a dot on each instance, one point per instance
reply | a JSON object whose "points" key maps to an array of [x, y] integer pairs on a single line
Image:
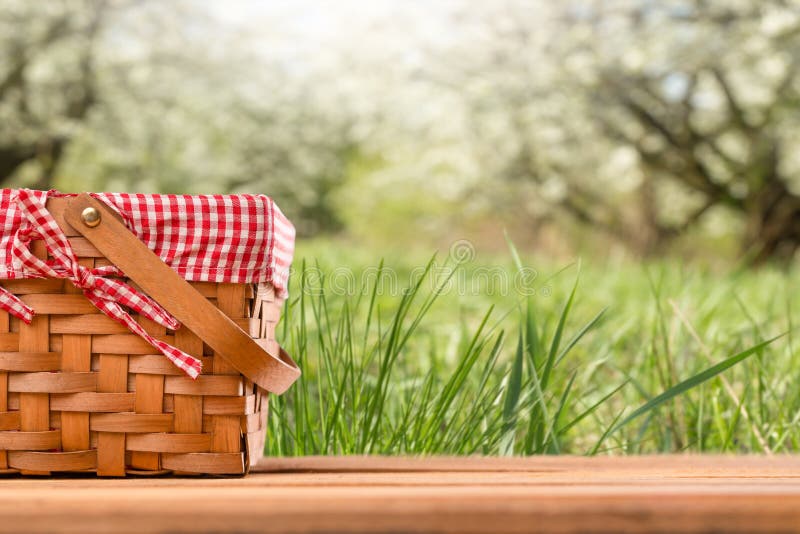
{"points": [[205, 238]]}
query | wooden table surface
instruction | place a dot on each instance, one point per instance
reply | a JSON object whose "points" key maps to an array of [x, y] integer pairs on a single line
{"points": [[372, 494]]}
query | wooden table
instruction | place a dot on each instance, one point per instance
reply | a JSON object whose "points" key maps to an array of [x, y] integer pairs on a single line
{"points": [[365, 494]]}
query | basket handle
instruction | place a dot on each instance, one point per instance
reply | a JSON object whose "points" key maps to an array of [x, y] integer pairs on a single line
{"points": [[113, 239]]}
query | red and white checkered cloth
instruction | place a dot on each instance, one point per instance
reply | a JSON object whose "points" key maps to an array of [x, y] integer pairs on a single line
{"points": [[205, 238]]}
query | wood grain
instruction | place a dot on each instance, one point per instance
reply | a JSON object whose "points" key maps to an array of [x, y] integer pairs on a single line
{"points": [[4, 327], [149, 399], [226, 428], [34, 407], [373, 494], [188, 408], [112, 378]]}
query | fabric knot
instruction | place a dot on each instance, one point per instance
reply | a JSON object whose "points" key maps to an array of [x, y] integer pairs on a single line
{"points": [[110, 295], [84, 279], [24, 232]]}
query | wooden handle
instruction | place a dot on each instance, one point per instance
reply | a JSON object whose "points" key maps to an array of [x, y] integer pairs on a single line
{"points": [[113, 239]]}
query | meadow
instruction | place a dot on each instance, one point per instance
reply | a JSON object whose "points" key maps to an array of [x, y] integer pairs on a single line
{"points": [[508, 354]]}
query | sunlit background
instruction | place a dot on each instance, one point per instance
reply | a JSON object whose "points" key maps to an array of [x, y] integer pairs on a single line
{"points": [[636, 127], [638, 157]]}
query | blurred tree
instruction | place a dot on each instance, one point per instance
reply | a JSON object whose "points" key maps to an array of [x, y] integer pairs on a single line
{"points": [[527, 122], [642, 119], [707, 94], [636, 117], [298, 149], [47, 80], [163, 97]]}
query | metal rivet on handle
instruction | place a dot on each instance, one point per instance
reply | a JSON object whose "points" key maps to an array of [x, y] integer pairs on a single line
{"points": [[91, 217]]}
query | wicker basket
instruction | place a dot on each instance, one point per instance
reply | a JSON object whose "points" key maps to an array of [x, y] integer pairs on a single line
{"points": [[80, 393]]}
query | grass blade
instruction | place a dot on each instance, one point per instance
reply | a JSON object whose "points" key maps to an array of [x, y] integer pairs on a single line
{"points": [[562, 320], [689, 383], [513, 390]]}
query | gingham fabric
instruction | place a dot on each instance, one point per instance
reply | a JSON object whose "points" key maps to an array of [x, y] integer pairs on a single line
{"points": [[208, 238]]}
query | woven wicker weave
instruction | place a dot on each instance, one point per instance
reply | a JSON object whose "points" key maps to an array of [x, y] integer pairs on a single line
{"points": [[79, 392]]}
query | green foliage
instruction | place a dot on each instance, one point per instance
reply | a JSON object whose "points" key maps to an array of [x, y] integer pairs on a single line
{"points": [[424, 370], [660, 126]]}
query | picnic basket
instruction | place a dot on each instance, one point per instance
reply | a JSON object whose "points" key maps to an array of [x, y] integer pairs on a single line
{"points": [[93, 361]]}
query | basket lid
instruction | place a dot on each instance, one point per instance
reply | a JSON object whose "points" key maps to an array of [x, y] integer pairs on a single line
{"points": [[205, 238]]}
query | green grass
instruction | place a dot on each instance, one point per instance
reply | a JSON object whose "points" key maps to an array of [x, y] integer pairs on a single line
{"points": [[594, 358]]}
